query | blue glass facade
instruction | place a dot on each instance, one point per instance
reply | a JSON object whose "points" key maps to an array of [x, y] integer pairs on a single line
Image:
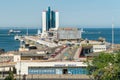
{"points": [[50, 19], [77, 70], [41, 71], [34, 70]]}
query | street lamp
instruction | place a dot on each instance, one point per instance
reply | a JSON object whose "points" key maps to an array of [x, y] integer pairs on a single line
{"points": [[20, 67]]}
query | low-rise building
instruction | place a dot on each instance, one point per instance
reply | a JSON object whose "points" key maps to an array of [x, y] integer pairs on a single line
{"points": [[69, 33], [32, 67], [99, 48], [9, 58]]}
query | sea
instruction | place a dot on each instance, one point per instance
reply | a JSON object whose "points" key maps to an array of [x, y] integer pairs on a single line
{"points": [[8, 43]]}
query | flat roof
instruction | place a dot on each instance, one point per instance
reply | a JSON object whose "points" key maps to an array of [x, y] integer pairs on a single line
{"points": [[51, 64], [32, 54]]}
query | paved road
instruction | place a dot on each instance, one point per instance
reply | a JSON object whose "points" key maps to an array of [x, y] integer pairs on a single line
{"points": [[68, 54]]}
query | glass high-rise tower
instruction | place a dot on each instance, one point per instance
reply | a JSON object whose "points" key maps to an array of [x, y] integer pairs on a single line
{"points": [[50, 19]]}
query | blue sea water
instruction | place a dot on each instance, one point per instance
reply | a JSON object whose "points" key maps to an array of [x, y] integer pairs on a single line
{"points": [[8, 43], [95, 33]]}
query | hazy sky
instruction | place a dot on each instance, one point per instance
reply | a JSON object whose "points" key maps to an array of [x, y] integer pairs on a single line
{"points": [[87, 13]]}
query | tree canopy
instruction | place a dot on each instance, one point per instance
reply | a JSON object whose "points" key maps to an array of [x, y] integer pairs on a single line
{"points": [[10, 76], [106, 66]]}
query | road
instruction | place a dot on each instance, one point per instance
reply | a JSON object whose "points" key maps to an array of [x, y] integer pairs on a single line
{"points": [[68, 53]]}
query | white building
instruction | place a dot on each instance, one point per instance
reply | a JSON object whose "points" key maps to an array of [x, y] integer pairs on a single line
{"points": [[9, 58], [43, 21], [57, 20], [29, 67], [99, 48], [7, 61]]}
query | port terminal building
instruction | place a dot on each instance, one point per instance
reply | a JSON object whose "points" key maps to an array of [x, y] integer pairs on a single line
{"points": [[32, 67], [68, 33], [36, 67]]}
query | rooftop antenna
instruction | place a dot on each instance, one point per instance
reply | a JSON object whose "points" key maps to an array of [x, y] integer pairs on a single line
{"points": [[112, 34]]}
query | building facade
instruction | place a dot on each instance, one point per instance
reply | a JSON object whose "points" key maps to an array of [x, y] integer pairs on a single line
{"points": [[9, 58], [51, 68], [99, 48], [69, 33], [50, 19]]}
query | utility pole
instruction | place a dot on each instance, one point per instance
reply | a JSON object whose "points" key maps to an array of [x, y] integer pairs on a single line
{"points": [[112, 35]]}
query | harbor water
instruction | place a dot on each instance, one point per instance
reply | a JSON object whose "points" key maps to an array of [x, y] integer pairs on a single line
{"points": [[8, 43]]}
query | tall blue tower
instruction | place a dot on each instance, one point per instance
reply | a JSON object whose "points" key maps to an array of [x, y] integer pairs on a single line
{"points": [[50, 19]]}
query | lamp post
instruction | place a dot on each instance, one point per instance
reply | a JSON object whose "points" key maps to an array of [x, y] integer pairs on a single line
{"points": [[3, 66], [20, 67]]}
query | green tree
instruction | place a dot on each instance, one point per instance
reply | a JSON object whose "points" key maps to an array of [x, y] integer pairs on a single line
{"points": [[10, 76], [106, 66]]}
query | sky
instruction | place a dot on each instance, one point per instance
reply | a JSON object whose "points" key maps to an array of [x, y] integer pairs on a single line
{"points": [[85, 13]]}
